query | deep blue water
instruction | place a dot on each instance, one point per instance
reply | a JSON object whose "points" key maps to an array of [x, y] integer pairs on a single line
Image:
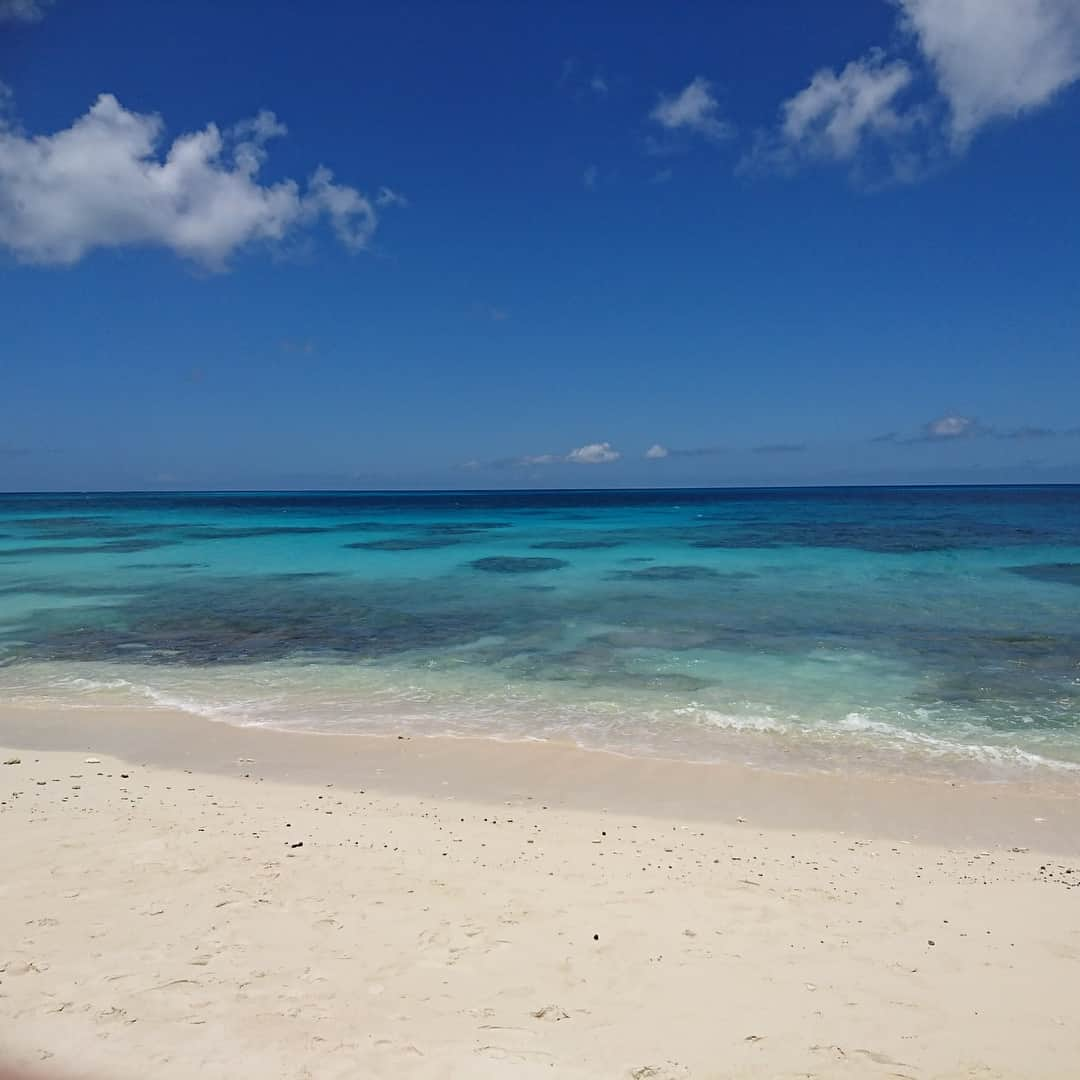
{"points": [[935, 628]]}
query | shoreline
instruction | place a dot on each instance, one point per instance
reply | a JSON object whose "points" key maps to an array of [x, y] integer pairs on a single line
{"points": [[1038, 814]]}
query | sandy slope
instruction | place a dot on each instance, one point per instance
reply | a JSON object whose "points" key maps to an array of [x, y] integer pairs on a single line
{"points": [[165, 923]]}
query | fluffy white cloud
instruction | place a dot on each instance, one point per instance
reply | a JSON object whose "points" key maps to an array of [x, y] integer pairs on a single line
{"points": [[23, 10], [350, 213], [102, 183], [831, 117], [594, 454], [852, 116], [694, 109], [988, 59], [996, 58], [656, 452]]}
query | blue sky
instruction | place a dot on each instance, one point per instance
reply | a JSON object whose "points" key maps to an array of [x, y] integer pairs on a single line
{"points": [[499, 245]]}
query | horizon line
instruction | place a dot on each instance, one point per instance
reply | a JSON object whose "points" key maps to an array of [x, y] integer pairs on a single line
{"points": [[532, 490]]}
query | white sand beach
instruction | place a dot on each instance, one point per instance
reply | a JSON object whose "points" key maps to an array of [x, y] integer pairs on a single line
{"points": [[185, 899]]}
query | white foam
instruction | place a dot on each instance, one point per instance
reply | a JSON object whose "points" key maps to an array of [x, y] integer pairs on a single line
{"points": [[733, 721], [935, 746], [370, 700]]}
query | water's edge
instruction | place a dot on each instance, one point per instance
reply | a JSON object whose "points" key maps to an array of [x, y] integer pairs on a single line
{"points": [[933, 631]]}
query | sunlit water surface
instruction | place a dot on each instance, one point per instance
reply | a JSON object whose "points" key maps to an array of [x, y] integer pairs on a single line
{"points": [[934, 630]]}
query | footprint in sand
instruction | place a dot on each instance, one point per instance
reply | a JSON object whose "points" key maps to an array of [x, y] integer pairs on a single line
{"points": [[670, 1071]]}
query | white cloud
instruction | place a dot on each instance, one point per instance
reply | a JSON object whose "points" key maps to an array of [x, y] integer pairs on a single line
{"points": [[832, 116], [989, 59], [996, 58], [598, 85], [594, 454], [350, 213], [26, 11], [955, 427], [388, 197], [588, 178], [262, 126], [102, 182], [845, 117], [591, 454], [694, 109], [950, 426], [656, 452]]}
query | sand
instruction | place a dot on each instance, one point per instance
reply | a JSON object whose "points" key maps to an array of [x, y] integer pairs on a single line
{"points": [[188, 900]]}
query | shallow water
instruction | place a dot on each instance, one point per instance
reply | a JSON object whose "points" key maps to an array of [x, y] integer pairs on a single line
{"points": [[931, 629]]}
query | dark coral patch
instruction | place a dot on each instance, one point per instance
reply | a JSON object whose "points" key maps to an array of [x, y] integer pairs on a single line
{"points": [[111, 547], [575, 545], [210, 532], [405, 543], [1064, 573], [512, 564], [682, 573]]}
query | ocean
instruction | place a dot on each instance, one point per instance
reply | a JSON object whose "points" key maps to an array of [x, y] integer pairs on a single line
{"points": [[934, 630]]}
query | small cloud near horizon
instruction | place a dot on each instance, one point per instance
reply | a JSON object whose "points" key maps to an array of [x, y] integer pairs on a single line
{"points": [[954, 427], [598, 453], [951, 426], [1026, 433], [780, 448], [658, 452]]}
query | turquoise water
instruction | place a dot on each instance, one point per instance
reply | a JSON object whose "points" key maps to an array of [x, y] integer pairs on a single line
{"points": [[936, 629]]}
